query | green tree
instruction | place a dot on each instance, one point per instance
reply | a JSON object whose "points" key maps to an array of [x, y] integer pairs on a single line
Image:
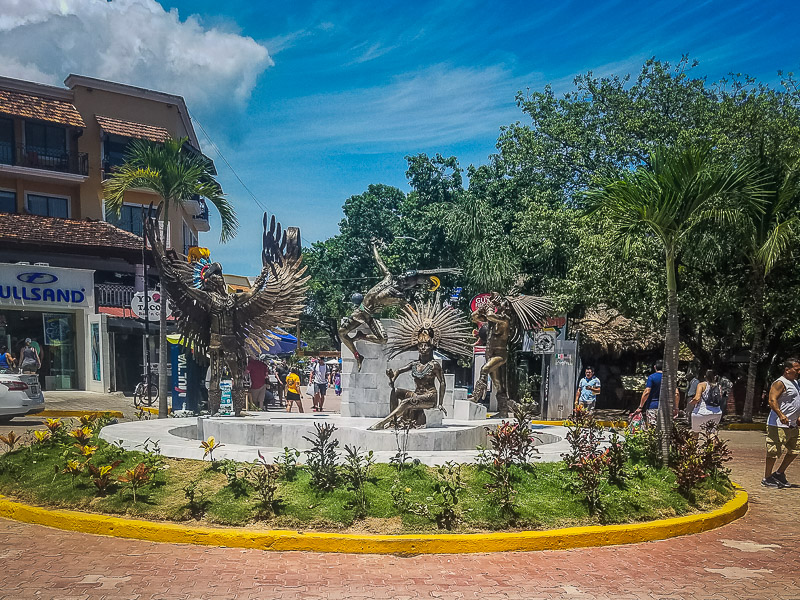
{"points": [[667, 198], [769, 239], [177, 174]]}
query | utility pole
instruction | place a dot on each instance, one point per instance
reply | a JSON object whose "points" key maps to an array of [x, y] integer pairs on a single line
{"points": [[146, 315]]}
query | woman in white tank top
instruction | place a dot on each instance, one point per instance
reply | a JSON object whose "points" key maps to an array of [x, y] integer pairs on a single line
{"points": [[702, 412]]}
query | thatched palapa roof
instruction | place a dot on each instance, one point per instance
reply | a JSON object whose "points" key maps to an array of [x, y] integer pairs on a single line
{"points": [[604, 331]]}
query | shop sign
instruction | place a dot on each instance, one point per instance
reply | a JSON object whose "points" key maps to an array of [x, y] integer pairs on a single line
{"points": [[154, 312], [479, 301], [38, 285]]}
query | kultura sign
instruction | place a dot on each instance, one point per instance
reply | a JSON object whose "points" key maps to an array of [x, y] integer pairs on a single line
{"points": [[32, 286]]}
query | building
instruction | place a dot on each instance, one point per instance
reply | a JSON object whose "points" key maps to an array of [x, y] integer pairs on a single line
{"points": [[57, 145]]}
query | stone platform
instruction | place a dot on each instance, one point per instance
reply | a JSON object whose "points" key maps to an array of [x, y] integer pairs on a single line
{"points": [[269, 433]]}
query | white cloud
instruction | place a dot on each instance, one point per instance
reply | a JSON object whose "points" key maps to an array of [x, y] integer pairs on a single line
{"points": [[128, 41], [438, 105]]}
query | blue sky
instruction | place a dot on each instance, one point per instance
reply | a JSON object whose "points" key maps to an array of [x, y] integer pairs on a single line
{"points": [[310, 102]]}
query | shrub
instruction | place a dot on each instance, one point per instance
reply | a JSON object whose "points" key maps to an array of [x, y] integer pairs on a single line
{"points": [[686, 459], [195, 499], [101, 476], [644, 446], [617, 458], [236, 476], [586, 458], [288, 463], [355, 472], [82, 435], [321, 458], [135, 478], [401, 428], [263, 476], [715, 453], [442, 506]]}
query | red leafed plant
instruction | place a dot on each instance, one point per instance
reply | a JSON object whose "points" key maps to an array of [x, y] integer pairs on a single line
{"points": [[135, 478]]}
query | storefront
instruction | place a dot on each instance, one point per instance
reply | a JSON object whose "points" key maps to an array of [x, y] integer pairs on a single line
{"points": [[54, 307]]}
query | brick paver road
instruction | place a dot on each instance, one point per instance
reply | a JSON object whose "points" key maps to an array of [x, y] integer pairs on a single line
{"points": [[755, 557]]}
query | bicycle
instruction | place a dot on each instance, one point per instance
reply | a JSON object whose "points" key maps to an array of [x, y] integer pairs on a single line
{"points": [[140, 395]]}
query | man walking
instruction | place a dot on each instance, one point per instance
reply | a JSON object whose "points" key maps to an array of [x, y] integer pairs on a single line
{"points": [[319, 373], [258, 379], [282, 371], [588, 389], [651, 395], [783, 423]]}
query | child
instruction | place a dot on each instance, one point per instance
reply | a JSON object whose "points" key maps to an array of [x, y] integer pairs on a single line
{"points": [[293, 391], [337, 382]]}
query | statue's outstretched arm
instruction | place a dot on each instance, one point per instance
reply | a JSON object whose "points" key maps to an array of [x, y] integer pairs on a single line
{"points": [[379, 260]]}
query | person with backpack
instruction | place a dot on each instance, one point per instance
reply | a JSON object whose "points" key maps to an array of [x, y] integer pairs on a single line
{"points": [[706, 406]]}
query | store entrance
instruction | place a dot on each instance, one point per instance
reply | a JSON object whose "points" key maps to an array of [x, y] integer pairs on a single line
{"points": [[53, 336]]}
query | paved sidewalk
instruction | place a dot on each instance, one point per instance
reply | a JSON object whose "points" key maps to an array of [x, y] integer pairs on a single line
{"points": [[754, 557]]}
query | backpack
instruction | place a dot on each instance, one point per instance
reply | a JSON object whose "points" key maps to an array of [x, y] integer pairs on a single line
{"points": [[715, 397]]}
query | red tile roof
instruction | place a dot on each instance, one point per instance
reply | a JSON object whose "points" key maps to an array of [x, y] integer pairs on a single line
{"points": [[28, 106], [131, 129], [65, 233]]}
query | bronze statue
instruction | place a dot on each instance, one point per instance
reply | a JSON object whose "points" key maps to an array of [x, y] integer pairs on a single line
{"points": [[217, 324], [505, 318], [426, 327], [390, 291]]}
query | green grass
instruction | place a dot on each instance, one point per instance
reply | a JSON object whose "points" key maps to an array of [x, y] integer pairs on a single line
{"points": [[546, 495]]}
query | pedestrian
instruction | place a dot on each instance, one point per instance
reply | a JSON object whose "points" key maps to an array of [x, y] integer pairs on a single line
{"points": [[588, 389], [7, 362], [706, 405], [29, 361], [337, 382], [783, 423], [257, 369], [319, 372], [648, 405], [293, 391], [281, 371]]}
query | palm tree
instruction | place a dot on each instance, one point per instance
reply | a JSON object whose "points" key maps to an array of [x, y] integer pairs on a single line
{"points": [[667, 198], [770, 236], [177, 174]]}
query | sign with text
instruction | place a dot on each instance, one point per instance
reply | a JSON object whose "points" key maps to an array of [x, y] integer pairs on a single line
{"points": [[40, 285], [479, 301], [154, 310]]}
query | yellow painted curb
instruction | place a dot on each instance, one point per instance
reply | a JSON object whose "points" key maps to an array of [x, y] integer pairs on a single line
{"points": [[79, 413], [600, 423], [153, 411], [279, 540], [745, 426]]}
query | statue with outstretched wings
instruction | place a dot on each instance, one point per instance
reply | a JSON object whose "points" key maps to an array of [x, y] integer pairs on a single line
{"points": [[218, 324]]}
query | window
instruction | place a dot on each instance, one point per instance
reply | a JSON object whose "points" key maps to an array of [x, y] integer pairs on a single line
{"points": [[7, 141], [129, 219], [48, 206], [8, 202], [45, 139], [189, 238], [116, 149]]}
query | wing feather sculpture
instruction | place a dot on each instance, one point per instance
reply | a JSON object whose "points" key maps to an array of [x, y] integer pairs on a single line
{"points": [[219, 325]]}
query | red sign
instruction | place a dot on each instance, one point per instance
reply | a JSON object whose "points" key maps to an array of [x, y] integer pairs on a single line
{"points": [[479, 301]]}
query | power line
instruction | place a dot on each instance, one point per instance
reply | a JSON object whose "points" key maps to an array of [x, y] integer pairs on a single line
{"points": [[235, 174]]}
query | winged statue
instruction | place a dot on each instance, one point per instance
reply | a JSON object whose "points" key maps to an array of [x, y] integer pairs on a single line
{"points": [[505, 318], [218, 324], [389, 291]]}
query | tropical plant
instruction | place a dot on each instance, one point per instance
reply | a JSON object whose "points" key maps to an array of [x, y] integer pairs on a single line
{"points": [[82, 435], [209, 446], [10, 439], [769, 237], [41, 436], [73, 468], [355, 472], [177, 173], [101, 476], [263, 476], [288, 463], [135, 478], [321, 457], [668, 197]]}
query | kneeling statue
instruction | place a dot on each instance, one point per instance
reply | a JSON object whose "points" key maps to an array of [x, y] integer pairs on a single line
{"points": [[426, 327]]}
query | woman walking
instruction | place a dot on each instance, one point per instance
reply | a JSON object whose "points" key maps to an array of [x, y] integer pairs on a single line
{"points": [[29, 361], [706, 406], [293, 391]]}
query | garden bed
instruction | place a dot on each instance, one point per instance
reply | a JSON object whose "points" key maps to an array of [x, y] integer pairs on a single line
{"points": [[391, 498]]}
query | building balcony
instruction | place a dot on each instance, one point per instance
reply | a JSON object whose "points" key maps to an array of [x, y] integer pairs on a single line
{"points": [[114, 294], [200, 221], [34, 161]]}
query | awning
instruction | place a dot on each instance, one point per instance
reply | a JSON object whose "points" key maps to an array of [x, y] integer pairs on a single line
{"points": [[27, 106], [284, 344], [131, 129]]}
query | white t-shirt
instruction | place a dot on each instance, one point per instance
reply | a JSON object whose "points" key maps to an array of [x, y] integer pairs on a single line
{"points": [[789, 403], [320, 370], [702, 408]]}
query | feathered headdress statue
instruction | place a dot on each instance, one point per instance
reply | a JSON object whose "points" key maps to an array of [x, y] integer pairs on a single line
{"points": [[444, 326]]}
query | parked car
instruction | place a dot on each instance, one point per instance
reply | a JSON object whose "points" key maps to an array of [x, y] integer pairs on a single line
{"points": [[20, 395]]}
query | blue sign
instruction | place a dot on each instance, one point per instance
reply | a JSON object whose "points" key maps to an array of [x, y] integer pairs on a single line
{"points": [[38, 278]]}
